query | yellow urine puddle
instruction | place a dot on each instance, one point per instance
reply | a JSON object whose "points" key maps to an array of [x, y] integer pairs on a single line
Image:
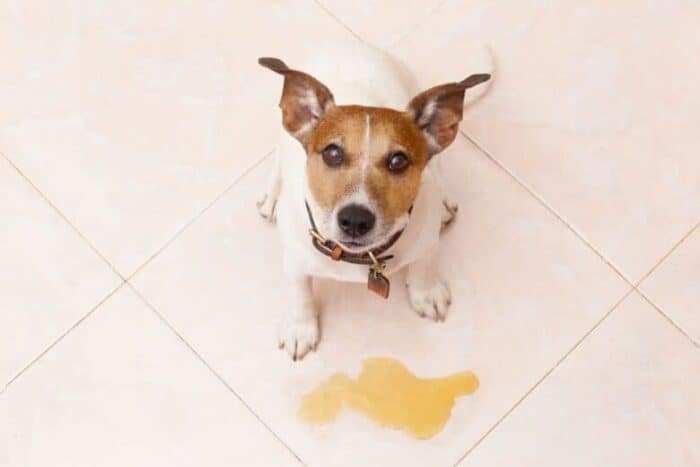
{"points": [[388, 393]]}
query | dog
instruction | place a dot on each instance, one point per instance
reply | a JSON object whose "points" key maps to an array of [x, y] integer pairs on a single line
{"points": [[355, 190]]}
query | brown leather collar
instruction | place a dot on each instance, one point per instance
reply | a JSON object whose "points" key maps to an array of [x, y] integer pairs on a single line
{"points": [[337, 253], [376, 281]]}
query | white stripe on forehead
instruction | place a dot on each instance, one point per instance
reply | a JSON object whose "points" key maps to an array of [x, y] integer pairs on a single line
{"points": [[366, 147], [360, 195]]}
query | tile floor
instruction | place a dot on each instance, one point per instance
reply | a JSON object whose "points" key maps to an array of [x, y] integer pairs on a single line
{"points": [[134, 325]]}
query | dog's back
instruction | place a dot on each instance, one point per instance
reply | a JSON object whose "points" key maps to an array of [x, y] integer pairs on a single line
{"points": [[359, 74]]}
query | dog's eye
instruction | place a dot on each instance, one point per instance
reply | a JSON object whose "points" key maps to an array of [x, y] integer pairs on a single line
{"points": [[333, 155], [397, 162]]}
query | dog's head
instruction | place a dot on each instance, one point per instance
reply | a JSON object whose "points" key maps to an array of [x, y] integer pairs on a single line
{"points": [[364, 164]]}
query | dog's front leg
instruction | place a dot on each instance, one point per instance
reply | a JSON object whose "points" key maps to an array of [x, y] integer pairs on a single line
{"points": [[268, 201], [429, 295], [299, 332]]}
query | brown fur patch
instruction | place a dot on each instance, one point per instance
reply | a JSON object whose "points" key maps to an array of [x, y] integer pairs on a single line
{"points": [[304, 99], [390, 131], [438, 111]]}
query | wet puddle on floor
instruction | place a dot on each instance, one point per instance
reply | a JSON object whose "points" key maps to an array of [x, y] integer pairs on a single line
{"points": [[388, 393]]}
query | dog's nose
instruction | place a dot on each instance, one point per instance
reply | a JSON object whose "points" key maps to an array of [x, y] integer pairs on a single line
{"points": [[355, 220]]}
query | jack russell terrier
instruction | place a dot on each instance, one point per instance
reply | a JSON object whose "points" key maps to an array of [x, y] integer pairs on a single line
{"points": [[349, 189]]}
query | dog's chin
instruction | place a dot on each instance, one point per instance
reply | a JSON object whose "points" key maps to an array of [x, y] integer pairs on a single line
{"points": [[356, 247], [361, 246]]}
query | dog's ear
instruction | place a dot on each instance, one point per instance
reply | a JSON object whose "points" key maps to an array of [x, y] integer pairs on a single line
{"points": [[438, 111], [304, 99]]}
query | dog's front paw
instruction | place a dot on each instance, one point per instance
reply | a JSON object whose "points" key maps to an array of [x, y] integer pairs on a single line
{"points": [[431, 302], [267, 208], [298, 337]]}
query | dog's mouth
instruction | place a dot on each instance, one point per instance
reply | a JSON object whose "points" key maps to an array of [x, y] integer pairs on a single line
{"points": [[379, 237], [354, 246]]}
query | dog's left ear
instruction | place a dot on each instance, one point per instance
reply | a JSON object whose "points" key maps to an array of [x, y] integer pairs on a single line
{"points": [[304, 99], [438, 111]]}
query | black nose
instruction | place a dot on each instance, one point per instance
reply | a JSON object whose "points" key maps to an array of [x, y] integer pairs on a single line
{"points": [[355, 220]]}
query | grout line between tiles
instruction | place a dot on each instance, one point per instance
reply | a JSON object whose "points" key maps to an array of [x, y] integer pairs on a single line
{"points": [[402, 35], [63, 335], [211, 369], [634, 285], [545, 376], [667, 318], [664, 257], [63, 216], [651, 271], [547, 206], [187, 224], [123, 280], [338, 20], [438, 5]]}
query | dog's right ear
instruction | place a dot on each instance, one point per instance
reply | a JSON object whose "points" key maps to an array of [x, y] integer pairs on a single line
{"points": [[304, 99]]}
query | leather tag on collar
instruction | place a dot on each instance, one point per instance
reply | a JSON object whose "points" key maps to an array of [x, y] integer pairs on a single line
{"points": [[378, 283], [337, 252]]}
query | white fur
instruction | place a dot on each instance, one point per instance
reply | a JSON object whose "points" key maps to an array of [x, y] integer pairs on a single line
{"points": [[311, 101], [428, 113], [428, 293], [299, 332], [367, 138], [360, 75]]}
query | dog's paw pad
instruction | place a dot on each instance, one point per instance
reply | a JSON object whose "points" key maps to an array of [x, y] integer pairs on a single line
{"points": [[299, 337], [449, 212], [431, 302], [267, 208]]}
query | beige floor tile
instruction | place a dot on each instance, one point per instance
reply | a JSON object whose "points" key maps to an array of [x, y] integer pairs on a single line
{"points": [[133, 118], [629, 396], [525, 290], [49, 277], [594, 106], [384, 22], [675, 286], [122, 390]]}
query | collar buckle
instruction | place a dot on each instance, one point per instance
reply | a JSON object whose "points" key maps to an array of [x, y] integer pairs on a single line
{"points": [[377, 267]]}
